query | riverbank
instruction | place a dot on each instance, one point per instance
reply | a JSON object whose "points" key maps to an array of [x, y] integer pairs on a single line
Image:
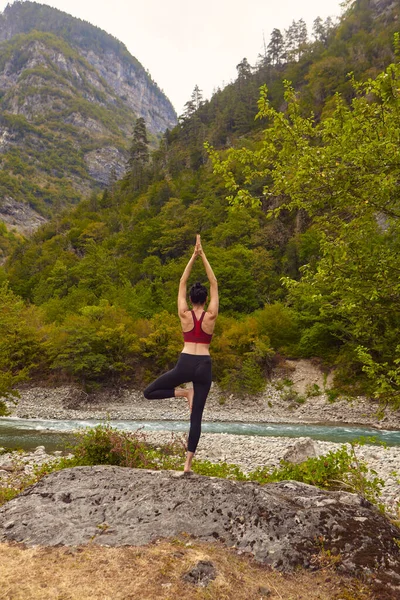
{"points": [[274, 405]]}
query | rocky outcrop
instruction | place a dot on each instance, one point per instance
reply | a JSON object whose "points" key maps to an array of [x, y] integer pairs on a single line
{"points": [[383, 6], [133, 87], [283, 525], [20, 216]]}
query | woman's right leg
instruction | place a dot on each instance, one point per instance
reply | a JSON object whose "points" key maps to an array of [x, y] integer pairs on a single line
{"points": [[164, 386]]}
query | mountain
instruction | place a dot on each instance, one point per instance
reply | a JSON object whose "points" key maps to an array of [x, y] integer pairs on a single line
{"points": [[69, 97]]}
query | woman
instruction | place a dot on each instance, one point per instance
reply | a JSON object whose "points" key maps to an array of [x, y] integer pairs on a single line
{"points": [[194, 363]]}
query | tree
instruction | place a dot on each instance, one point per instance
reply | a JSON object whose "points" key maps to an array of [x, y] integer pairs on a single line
{"points": [[295, 40], [244, 70], [192, 105], [138, 155], [96, 344], [319, 31], [197, 97], [21, 347], [275, 49]]}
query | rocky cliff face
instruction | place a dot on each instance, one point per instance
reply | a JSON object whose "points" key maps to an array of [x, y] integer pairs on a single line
{"points": [[383, 6], [109, 57], [69, 97]]}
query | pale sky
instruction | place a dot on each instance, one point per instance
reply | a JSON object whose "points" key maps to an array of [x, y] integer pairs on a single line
{"points": [[185, 43]]}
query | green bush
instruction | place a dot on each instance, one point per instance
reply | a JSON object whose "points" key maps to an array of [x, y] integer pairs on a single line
{"points": [[105, 445], [281, 326], [339, 470], [22, 343]]}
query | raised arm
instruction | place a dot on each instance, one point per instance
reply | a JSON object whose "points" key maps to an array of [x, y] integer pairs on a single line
{"points": [[182, 302], [213, 305]]}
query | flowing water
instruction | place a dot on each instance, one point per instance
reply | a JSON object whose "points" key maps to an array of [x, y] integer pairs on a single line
{"points": [[56, 435]]}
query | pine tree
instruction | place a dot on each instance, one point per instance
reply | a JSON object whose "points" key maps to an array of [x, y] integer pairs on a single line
{"points": [[196, 100], [138, 155], [319, 31], [197, 96], [302, 37], [275, 49], [243, 69], [295, 40]]}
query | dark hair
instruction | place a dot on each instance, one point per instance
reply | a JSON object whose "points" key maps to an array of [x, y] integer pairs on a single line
{"points": [[198, 293]]}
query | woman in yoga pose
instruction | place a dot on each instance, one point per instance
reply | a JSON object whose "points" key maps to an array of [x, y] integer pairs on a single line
{"points": [[194, 364]]}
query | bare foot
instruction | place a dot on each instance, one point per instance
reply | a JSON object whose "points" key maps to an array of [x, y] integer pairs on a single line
{"points": [[188, 462]]}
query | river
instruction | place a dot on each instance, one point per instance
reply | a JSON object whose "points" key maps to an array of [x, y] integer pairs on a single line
{"points": [[27, 434]]}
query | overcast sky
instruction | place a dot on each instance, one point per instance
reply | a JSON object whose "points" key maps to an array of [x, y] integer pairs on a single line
{"points": [[185, 43]]}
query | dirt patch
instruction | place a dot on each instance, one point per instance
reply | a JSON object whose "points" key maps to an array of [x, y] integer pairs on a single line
{"points": [[307, 376], [157, 572]]}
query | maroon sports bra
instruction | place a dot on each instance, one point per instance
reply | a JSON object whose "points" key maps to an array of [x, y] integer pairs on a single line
{"points": [[197, 335]]}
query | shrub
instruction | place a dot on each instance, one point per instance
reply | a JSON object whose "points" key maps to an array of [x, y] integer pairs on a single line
{"points": [[22, 343], [280, 324], [339, 470], [105, 445]]}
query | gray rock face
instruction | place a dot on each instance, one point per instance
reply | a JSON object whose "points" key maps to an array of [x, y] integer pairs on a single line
{"points": [[113, 65], [20, 216], [133, 87], [283, 525]]}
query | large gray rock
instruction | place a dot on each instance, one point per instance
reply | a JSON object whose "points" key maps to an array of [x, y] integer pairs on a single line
{"points": [[301, 450], [284, 524]]}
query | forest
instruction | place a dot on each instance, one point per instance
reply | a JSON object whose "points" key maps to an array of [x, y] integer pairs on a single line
{"points": [[291, 176]]}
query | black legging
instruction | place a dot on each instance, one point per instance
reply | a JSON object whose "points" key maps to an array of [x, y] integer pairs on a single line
{"points": [[190, 367]]}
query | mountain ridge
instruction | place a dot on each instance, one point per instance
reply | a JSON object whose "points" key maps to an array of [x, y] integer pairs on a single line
{"points": [[67, 111], [23, 17]]}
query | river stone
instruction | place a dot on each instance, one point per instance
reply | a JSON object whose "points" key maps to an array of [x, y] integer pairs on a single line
{"points": [[201, 574], [301, 450], [284, 525]]}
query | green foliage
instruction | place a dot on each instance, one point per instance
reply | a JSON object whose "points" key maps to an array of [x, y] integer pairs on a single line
{"points": [[99, 343], [22, 343], [223, 470], [343, 173], [280, 324], [105, 445], [243, 355], [386, 377], [339, 470]]}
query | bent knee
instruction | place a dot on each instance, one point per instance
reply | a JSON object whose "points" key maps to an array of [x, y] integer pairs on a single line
{"points": [[147, 394]]}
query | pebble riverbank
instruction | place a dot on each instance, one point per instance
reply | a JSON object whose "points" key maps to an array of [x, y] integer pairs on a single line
{"points": [[272, 406]]}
